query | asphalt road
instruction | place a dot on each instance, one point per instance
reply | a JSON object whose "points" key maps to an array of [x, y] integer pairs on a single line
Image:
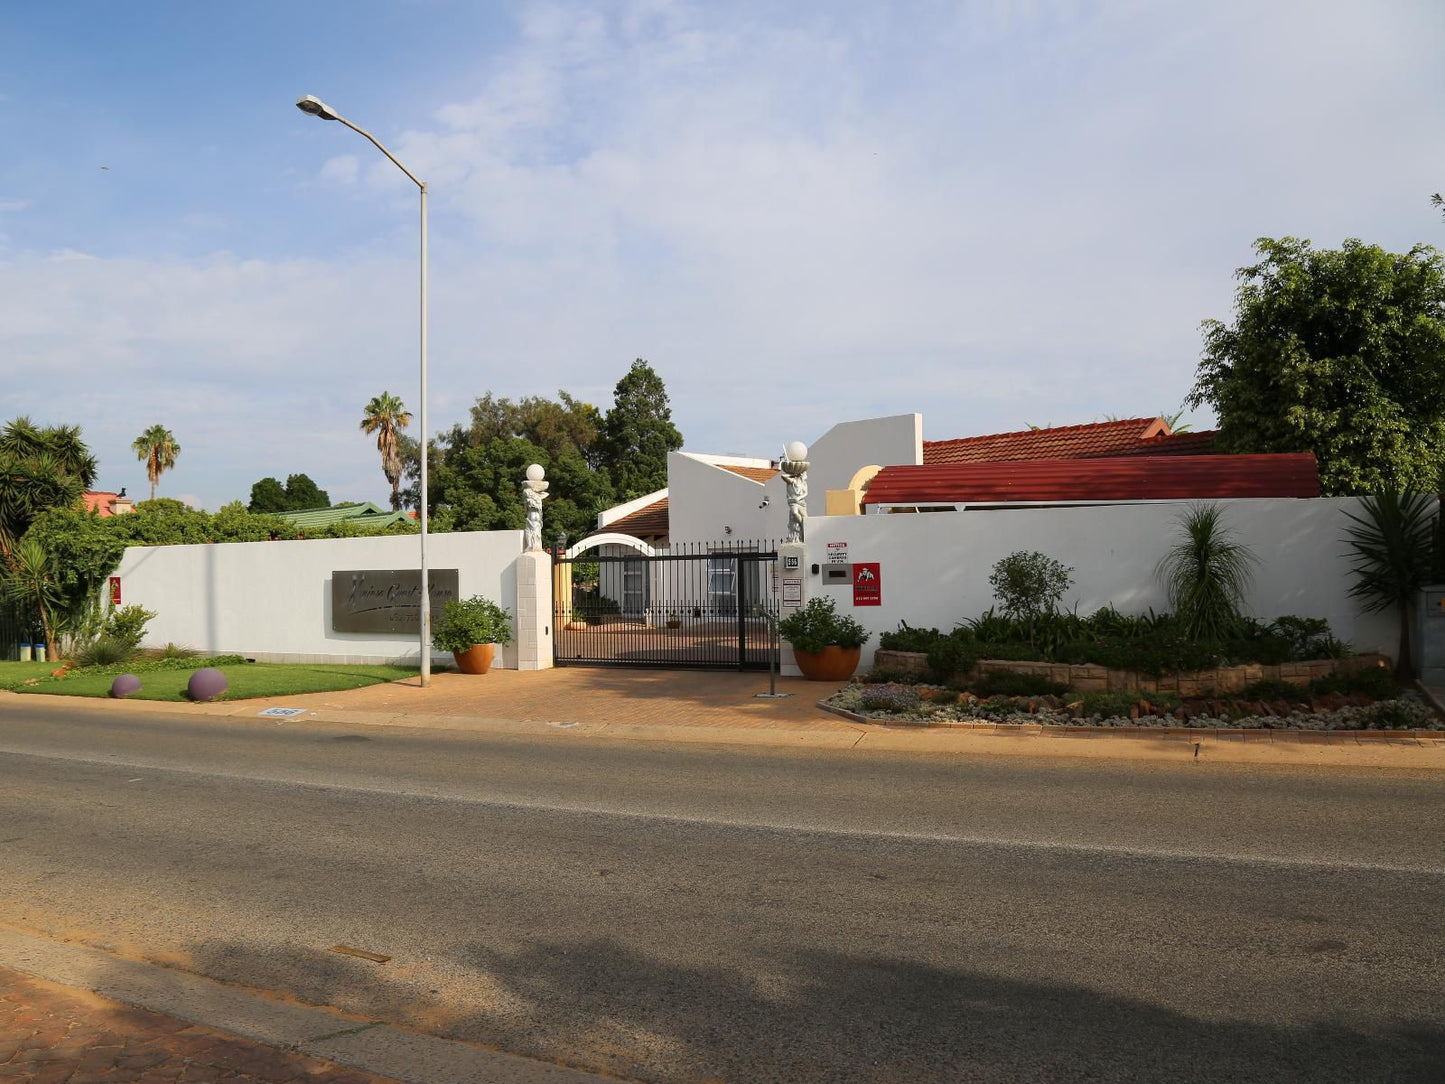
{"points": [[698, 913]]}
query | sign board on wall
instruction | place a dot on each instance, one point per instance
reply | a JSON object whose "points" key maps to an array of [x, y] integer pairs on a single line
{"points": [[115, 590], [837, 553], [793, 592], [386, 600], [867, 584]]}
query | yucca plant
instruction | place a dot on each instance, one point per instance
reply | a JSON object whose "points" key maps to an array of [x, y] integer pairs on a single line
{"points": [[1206, 575], [1392, 544]]}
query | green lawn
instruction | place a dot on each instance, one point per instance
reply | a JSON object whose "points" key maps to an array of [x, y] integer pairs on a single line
{"points": [[244, 681], [19, 671]]}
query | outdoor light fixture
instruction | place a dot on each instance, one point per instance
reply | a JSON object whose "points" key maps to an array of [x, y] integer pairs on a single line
{"points": [[309, 103], [315, 107]]}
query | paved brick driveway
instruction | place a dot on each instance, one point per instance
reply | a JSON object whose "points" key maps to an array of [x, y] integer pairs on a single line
{"points": [[688, 698], [52, 1034]]}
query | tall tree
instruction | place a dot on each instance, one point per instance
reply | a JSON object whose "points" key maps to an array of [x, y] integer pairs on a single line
{"points": [[386, 416], [157, 449], [1340, 352], [637, 433], [40, 468], [268, 496], [299, 492]]}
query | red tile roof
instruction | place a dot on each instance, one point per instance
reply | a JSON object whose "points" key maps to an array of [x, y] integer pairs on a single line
{"points": [[1096, 440], [650, 521], [1126, 478], [757, 474], [100, 502]]}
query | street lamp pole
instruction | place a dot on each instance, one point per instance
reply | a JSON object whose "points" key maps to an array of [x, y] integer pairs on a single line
{"points": [[317, 108]]}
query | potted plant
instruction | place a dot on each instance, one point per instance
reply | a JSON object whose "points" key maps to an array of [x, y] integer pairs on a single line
{"points": [[470, 629], [826, 645]]}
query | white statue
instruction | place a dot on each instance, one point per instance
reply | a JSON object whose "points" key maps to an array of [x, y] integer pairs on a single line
{"points": [[534, 492], [794, 466]]}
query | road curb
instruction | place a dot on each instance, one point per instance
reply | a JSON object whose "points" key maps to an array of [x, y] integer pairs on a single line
{"points": [[349, 1040]]}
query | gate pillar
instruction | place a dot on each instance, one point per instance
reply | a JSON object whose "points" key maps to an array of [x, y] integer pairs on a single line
{"points": [[534, 610], [787, 666]]}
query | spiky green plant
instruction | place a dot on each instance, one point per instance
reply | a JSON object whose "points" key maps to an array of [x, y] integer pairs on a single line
{"points": [[1392, 544], [1206, 574], [30, 582]]}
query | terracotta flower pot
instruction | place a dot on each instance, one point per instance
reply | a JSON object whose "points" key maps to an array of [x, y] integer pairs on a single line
{"points": [[833, 663], [476, 659]]}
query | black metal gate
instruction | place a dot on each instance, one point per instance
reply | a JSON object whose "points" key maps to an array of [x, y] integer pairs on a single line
{"points": [[704, 606]]}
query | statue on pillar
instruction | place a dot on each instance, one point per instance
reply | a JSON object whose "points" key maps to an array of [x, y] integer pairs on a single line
{"points": [[794, 468], [534, 492]]}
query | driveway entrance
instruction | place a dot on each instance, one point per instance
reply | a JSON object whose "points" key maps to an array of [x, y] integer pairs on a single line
{"points": [[708, 606]]}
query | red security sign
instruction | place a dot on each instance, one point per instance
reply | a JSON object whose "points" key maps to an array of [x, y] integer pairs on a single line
{"points": [[115, 590], [867, 584]]}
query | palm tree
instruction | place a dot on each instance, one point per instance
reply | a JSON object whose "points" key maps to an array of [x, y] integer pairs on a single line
{"points": [[31, 582], [386, 416], [157, 449], [1392, 545], [39, 469]]}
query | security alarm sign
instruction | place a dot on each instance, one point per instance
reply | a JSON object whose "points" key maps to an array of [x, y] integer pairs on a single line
{"points": [[837, 553], [115, 590], [867, 584]]}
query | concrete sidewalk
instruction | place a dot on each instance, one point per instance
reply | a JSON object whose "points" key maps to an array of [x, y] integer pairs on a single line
{"points": [[70, 1013], [577, 703]]}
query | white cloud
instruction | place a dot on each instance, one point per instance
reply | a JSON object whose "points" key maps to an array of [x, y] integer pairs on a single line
{"points": [[13, 205], [341, 170], [1015, 214]]}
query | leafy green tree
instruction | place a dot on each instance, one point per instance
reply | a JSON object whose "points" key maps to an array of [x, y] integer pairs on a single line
{"points": [[386, 416], [1339, 352], [158, 450], [40, 468], [1391, 544], [268, 496], [303, 493], [300, 492], [637, 433]]}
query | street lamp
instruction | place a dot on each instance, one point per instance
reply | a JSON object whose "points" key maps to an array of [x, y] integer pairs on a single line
{"points": [[317, 108]]}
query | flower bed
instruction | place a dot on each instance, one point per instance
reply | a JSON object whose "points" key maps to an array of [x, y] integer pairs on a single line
{"points": [[926, 705], [1088, 677]]}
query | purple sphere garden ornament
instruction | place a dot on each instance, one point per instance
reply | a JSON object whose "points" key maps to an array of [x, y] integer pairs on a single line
{"points": [[206, 684], [124, 685]]}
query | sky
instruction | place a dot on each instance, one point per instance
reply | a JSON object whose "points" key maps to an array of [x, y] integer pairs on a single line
{"points": [[993, 213]]}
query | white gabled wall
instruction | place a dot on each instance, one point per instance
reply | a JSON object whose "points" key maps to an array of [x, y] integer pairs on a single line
{"points": [[935, 566], [849, 446], [704, 501], [272, 600]]}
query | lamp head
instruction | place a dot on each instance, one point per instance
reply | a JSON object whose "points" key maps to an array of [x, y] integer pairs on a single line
{"points": [[309, 103]]}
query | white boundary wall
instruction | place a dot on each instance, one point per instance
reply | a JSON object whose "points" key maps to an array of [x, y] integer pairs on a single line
{"points": [[272, 600], [935, 565]]}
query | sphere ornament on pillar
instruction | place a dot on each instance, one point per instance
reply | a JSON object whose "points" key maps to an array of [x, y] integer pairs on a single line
{"points": [[534, 492], [794, 468]]}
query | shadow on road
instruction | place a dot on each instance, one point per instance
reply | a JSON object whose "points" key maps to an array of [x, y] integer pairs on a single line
{"points": [[836, 1018]]}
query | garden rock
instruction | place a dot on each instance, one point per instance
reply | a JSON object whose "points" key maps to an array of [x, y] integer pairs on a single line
{"points": [[124, 685], [206, 684]]}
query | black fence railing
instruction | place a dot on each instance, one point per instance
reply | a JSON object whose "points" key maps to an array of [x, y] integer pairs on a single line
{"points": [[696, 606]]}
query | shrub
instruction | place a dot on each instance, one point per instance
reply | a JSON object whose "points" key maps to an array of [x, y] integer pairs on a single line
{"points": [[1309, 638], [1376, 682], [1272, 689], [1392, 558], [467, 622], [818, 625], [1009, 683], [1206, 574], [1109, 705], [952, 656], [1027, 583], [127, 625], [882, 675], [1402, 714], [896, 698], [908, 638], [102, 651]]}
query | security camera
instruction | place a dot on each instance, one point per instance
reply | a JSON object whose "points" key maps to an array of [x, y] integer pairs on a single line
{"points": [[766, 501]]}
